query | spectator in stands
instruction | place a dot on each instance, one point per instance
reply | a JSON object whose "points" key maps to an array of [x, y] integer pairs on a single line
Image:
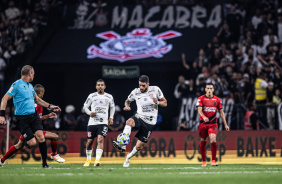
{"points": [[279, 28], [191, 89], [277, 97], [224, 34], [270, 112], [180, 89], [234, 21], [223, 87], [12, 12], [2, 75], [201, 60], [53, 123], [20, 43], [82, 120], [194, 70], [28, 32], [256, 19], [247, 90], [261, 96], [158, 123], [263, 26], [69, 118], [215, 59], [9, 53], [277, 79], [200, 86], [119, 121], [251, 119]]}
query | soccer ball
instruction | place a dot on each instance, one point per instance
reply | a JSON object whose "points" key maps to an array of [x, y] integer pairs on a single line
{"points": [[123, 139]]}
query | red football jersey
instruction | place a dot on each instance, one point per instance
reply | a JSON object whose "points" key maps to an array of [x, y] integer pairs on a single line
{"points": [[210, 107], [39, 110]]}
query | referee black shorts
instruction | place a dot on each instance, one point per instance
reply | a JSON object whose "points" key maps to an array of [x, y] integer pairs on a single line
{"points": [[28, 125]]}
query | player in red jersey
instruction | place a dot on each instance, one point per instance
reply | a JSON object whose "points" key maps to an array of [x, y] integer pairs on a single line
{"points": [[207, 107], [39, 89]]}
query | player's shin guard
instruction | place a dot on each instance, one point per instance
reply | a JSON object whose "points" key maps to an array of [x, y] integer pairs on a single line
{"points": [[9, 153], [203, 150], [54, 147], [127, 130], [43, 151], [213, 150], [88, 154], [133, 152], [99, 153]]}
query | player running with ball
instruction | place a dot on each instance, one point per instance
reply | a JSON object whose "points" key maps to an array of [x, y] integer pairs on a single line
{"points": [[208, 105], [147, 98]]}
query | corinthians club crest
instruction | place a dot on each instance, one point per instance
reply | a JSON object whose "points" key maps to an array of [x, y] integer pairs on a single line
{"points": [[137, 44]]}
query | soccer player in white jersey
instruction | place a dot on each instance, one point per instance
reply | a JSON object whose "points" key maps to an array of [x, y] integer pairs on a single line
{"points": [[147, 98], [100, 103]]}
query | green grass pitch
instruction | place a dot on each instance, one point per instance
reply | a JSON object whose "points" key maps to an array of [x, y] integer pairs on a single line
{"points": [[143, 174]]}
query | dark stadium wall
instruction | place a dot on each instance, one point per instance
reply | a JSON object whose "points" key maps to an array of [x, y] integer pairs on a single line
{"points": [[71, 84]]}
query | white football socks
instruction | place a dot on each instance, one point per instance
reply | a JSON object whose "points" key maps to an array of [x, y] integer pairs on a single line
{"points": [[99, 153], [127, 130], [88, 154], [133, 152]]}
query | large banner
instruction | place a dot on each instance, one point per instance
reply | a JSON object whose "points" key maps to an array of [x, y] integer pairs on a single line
{"points": [[87, 16], [118, 34], [190, 117], [235, 147]]}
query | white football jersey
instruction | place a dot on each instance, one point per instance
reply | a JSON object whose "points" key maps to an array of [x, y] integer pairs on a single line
{"points": [[147, 110], [100, 104]]}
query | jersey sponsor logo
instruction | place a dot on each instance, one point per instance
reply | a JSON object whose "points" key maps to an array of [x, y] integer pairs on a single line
{"points": [[98, 119], [210, 109], [147, 118], [11, 89], [100, 110], [137, 44], [147, 109]]}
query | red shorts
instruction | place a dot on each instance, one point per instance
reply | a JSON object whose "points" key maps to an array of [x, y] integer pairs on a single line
{"points": [[206, 129], [22, 138]]}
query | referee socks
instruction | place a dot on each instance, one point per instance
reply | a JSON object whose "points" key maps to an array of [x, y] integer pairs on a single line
{"points": [[43, 151]]}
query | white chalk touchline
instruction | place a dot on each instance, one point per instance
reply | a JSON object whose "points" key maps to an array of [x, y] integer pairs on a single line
{"points": [[230, 172]]}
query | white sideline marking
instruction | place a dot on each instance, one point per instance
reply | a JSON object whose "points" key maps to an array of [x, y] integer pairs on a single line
{"points": [[230, 172]]}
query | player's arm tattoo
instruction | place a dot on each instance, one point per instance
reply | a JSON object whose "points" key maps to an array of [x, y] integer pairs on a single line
{"points": [[127, 103], [163, 102]]}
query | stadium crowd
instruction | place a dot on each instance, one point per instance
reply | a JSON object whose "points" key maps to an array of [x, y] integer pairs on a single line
{"points": [[20, 24], [243, 61]]}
